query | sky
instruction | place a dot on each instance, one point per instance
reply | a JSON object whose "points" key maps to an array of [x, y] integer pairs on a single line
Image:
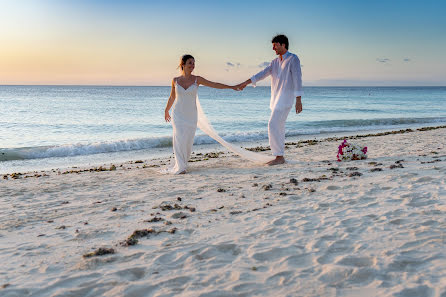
{"points": [[135, 42]]}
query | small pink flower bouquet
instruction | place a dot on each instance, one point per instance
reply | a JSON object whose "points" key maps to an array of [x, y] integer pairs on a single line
{"points": [[348, 151]]}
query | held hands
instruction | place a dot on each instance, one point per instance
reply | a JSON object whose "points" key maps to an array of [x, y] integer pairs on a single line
{"points": [[241, 86], [167, 115]]}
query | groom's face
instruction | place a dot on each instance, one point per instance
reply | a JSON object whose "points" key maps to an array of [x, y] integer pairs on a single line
{"points": [[279, 48]]}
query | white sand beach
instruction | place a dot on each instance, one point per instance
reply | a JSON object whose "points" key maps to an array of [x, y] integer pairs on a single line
{"points": [[316, 227]]}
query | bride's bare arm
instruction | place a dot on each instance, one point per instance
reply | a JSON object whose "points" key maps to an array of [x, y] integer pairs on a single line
{"points": [[215, 85], [170, 102]]}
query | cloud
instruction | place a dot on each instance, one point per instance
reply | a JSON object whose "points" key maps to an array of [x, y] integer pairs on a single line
{"points": [[383, 60], [264, 64], [407, 60], [230, 64]]}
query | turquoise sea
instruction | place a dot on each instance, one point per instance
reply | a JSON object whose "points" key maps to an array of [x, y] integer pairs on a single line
{"points": [[44, 127]]}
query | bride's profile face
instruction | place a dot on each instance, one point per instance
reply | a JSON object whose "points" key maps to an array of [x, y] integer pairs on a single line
{"points": [[190, 65]]}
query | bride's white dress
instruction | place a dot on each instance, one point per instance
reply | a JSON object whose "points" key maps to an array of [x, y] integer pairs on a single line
{"points": [[187, 114]]}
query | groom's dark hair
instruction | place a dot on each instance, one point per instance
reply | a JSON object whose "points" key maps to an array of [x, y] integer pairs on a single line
{"points": [[282, 39]]}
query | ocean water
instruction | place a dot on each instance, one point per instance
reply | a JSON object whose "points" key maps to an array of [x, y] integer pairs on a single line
{"points": [[46, 126]]}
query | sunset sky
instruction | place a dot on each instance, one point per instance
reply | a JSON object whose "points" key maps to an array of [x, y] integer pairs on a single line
{"points": [[140, 42]]}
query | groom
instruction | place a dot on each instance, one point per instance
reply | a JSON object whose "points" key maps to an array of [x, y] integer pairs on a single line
{"points": [[286, 84]]}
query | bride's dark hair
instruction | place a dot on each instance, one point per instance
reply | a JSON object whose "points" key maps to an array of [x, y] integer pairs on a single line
{"points": [[184, 59]]}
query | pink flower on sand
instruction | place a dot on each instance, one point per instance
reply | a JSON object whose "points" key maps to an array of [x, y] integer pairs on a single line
{"points": [[348, 151]]}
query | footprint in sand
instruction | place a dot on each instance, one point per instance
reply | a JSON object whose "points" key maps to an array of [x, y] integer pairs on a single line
{"points": [[416, 292], [131, 274], [332, 188], [424, 179], [356, 261]]}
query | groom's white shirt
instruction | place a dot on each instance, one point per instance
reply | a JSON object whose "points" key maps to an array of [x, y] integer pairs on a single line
{"points": [[286, 81]]}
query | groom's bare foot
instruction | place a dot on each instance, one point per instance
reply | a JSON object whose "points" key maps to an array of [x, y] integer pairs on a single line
{"points": [[278, 160]]}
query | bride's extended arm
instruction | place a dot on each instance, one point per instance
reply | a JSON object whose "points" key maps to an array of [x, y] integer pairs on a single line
{"points": [[215, 85], [170, 102]]}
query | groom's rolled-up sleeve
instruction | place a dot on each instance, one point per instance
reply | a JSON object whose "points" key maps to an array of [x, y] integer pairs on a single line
{"points": [[297, 77], [261, 75]]}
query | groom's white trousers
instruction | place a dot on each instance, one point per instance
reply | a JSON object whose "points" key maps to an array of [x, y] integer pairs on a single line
{"points": [[276, 130]]}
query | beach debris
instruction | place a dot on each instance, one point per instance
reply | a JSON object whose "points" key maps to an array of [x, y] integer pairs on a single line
{"points": [[148, 166], [99, 252], [356, 173], [430, 128], [294, 181], [50, 221], [376, 169], [16, 175], [137, 234], [139, 161], [235, 212], [167, 223], [213, 155], [310, 142], [318, 179], [114, 209], [112, 168], [242, 196], [179, 215], [311, 190], [352, 168], [154, 220], [399, 161], [179, 198], [253, 268], [221, 190], [5, 176], [165, 206], [190, 208], [63, 227], [65, 202], [375, 164], [255, 184], [129, 241], [259, 149], [40, 235], [430, 162], [399, 165], [267, 187], [133, 239], [213, 210], [282, 194], [4, 286], [221, 207]]}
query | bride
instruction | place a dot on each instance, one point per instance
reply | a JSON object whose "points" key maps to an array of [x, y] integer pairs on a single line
{"points": [[187, 115]]}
